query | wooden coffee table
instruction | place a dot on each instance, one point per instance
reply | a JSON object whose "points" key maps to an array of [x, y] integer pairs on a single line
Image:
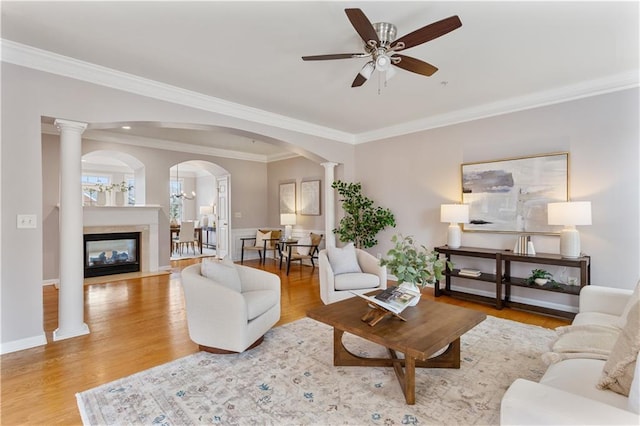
{"points": [[430, 326]]}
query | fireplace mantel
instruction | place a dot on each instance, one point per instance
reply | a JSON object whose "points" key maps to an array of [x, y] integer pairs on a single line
{"points": [[143, 219]]}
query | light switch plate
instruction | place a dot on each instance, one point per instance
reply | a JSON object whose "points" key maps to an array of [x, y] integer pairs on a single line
{"points": [[26, 221]]}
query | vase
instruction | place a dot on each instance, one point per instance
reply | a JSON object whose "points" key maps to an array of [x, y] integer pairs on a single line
{"points": [[541, 281], [119, 198], [412, 287], [102, 198]]}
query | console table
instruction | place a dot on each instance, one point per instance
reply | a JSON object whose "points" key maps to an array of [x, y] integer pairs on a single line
{"points": [[503, 260]]}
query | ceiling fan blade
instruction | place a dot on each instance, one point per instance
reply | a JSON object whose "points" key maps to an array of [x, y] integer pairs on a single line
{"points": [[429, 32], [362, 25], [333, 56], [414, 65], [358, 81]]}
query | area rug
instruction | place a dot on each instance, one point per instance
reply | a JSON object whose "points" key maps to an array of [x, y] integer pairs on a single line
{"points": [[290, 379]]}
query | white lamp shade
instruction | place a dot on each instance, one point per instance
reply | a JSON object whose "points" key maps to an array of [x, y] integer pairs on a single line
{"points": [[454, 213], [569, 213], [367, 69], [288, 219]]}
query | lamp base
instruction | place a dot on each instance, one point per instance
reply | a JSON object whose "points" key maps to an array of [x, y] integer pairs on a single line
{"points": [[287, 232], [454, 236], [570, 243]]}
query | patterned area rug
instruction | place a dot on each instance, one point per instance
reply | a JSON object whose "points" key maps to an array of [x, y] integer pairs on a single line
{"points": [[290, 379]]}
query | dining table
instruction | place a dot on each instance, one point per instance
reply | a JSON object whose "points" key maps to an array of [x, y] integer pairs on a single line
{"points": [[175, 230]]}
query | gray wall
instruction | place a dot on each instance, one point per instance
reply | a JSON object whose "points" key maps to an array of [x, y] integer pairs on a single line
{"points": [[294, 170], [412, 174]]}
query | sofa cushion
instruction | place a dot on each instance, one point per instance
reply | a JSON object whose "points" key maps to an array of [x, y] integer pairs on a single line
{"points": [[261, 236], [580, 377], [222, 271], [343, 260], [618, 371], [259, 301], [596, 318], [582, 341], [356, 281]]}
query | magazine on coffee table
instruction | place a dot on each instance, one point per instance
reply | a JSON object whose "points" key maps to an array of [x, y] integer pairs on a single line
{"points": [[393, 299]]}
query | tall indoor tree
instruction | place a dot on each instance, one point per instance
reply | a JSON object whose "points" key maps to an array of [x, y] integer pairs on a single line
{"points": [[362, 220]]}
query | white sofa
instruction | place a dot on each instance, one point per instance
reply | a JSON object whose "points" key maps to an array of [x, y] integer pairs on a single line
{"points": [[567, 393], [232, 307]]}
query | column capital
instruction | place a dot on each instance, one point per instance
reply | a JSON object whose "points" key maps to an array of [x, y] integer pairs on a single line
{"points": [[76, 126], [328, 164]]}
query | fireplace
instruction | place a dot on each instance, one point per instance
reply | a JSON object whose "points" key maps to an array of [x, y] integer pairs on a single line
{"points": [[111, 253]]}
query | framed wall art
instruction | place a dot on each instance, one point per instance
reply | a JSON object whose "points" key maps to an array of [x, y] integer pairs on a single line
{"points": [[310, 198], [511, 195], [287, 198]]}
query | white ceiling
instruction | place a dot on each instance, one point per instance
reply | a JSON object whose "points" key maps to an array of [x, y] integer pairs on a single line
{"points": [[506, 56]]}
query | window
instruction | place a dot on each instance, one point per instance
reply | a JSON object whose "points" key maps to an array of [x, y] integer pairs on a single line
{"points": [[175, 207]]}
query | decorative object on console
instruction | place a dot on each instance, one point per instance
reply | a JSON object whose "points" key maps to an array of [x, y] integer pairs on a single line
{"points": [[454, 214], [569, 214], [414, 265], [287, 219], [540, 277], [524, 245], [362, 220], [526, 185], [205, 211]]}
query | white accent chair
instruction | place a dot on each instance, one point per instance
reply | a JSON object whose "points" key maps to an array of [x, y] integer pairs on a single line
{"points": [[223, 318], [334, 288]]}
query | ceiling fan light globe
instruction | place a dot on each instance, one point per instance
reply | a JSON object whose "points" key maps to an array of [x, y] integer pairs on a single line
{"points": [[383, 63]]}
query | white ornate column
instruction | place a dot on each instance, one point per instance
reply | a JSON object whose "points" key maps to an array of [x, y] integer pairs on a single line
{"points": [[330, 204], [71, 294]]}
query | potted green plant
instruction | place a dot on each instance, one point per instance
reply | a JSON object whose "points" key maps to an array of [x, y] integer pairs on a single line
{"points": [[414, 266], [539, 276], [363, 220]]}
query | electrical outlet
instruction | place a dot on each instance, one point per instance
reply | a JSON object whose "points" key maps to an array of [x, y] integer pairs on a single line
{"points": [[26, 221]]}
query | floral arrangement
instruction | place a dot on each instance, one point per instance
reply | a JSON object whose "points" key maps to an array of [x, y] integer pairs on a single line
{"points": [[122, 186], [414, 264]]}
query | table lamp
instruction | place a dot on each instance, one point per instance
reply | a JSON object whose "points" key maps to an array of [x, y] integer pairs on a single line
{"points": [[569, 214], [454, 214], [287, 219], [205, 211]]}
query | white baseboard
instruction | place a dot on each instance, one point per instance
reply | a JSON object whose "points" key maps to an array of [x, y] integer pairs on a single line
{"points": [[22, 344], [55, 281]]}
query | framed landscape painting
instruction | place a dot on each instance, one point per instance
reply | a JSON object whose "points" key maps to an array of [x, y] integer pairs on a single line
{"points": [[511, 195]]}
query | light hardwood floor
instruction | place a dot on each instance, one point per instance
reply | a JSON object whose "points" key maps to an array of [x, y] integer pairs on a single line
{"points": [[137, 324]]}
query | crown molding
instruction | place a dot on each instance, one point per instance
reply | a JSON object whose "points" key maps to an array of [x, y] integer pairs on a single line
{"points": [[42, 60], [568, 93], [30, 57]]}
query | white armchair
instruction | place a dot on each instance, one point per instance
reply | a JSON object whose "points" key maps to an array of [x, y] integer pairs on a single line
{"points": [[230, 311], [334, 288]]}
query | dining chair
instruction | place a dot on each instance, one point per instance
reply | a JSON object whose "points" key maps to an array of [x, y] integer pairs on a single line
{"points": [[187, 236]]}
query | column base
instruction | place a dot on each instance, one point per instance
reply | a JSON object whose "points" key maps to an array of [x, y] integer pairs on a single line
{"points": [[67, 334]]}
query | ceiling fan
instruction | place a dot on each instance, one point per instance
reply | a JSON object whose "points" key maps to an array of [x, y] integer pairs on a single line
{"points": [[382, 47]]}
